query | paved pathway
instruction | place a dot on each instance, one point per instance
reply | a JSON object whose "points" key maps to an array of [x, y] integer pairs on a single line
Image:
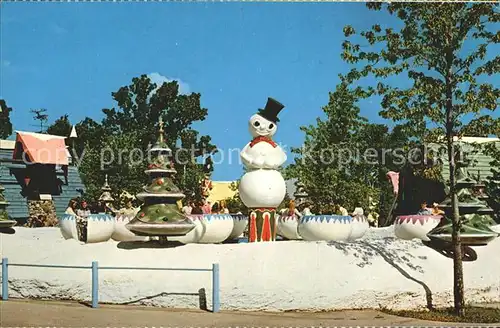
{"points": [[21, 313]]}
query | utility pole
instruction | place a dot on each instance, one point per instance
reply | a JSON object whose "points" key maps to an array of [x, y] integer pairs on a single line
{"points": [[39, 115]]}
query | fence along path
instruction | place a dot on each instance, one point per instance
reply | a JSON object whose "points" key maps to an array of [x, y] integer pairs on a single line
{"points": [[95, 277]]}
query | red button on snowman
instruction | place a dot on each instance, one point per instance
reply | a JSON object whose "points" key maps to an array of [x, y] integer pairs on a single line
{"points": [[263, 188]]}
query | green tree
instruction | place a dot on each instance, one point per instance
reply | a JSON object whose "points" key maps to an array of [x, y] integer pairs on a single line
{"points": [[5, 124], [234, 204], [125, 173], [132, 127], [60, 127], [341, 161], [442, 50], [90, 133]]}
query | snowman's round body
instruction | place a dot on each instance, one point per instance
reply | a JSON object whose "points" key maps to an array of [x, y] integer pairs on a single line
{"points": [[262, 188]]}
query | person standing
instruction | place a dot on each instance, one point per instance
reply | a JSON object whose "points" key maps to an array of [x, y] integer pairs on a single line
{"points": [[292, 211], [207, 207], [188, 208], [306, 210], [436, 210], [215, 208], [198, 209], [342, 210], [358, 211], [71, 207], [424, 210], [81, 221], [84, 211], [222, 207]]}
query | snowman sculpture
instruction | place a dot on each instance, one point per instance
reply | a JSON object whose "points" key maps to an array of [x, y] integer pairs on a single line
{"points": [[262, 188]]}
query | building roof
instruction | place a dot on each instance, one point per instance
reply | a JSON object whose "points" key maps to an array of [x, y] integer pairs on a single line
{"points": [[475, 139], [480, 163], [41, 136], [41, 148], [7, 144]]}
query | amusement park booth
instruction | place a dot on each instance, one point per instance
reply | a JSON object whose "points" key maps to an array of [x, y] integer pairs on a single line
{"points": [[38, 174]]}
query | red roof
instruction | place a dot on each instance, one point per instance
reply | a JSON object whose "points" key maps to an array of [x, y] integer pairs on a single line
{"points": [[41, 148]]}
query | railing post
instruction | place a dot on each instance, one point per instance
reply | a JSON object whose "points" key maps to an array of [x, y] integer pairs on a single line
{"points": [[5, 279], [95, 285], [215, 288]]}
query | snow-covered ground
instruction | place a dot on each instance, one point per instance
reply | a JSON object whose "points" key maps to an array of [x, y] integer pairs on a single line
{"points": [[378, 270]]}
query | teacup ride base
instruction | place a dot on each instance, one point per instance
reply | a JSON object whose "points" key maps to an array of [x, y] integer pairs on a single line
{"points": [[446, 248], [121, 233], [193, 236], [8, 231], [262, 225], [440, 239], [5, 224], [160, 220]]}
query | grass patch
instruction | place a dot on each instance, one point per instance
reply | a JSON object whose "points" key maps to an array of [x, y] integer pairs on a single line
{"points": [[473, 314]]}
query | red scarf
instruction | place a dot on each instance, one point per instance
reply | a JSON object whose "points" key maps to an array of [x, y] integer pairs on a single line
{"points": [[265, 139]]}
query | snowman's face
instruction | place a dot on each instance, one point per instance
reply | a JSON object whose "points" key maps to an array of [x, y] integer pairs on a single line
{"points": [[259, 126]]}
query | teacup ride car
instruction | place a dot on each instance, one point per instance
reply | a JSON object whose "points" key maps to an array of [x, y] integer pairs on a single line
{"points": [[325, 227], [359, 226], [240, 223], [94, 228], [287, 226], [209, 229], [416, 226]]}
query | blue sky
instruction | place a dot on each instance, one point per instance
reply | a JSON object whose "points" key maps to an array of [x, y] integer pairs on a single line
{"points": [[69, 57]]}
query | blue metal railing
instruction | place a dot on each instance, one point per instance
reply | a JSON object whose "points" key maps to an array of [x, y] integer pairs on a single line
{"points": [[95, 277]]}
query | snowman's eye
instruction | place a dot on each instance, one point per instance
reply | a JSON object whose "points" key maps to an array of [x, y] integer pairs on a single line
{"points": [[256, 123], [271, 126]]}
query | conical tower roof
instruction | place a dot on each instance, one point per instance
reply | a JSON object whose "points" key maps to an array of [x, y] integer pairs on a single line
{"points": [[159, 155], [106, 192], [106, 186], [161, 145]]}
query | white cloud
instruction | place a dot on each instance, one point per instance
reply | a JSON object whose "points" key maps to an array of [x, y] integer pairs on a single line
{"points": [[57, 29], [160, 79]]}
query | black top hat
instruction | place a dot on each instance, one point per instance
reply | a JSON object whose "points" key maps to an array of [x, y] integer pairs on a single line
{"points": [[273, 107]]}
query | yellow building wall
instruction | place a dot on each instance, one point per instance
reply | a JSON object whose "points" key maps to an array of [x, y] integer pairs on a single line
{"points": [[221, 190]]}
